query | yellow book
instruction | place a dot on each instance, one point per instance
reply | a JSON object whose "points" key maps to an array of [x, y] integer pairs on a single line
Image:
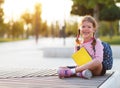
{"points": [[81, 57]]}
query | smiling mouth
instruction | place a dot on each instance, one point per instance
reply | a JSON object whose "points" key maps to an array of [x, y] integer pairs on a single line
{"points": [[85, 32]]}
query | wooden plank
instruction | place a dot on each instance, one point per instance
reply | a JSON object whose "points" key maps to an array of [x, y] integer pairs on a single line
{"points": [[53, 82]]}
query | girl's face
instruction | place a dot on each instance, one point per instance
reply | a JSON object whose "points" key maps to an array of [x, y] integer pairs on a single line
{"points": [[87, 30]]}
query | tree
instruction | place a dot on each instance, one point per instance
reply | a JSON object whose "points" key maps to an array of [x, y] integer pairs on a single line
{"points": [[91, 7], [27, 17], [2, 30], [37, 20], [110, 14], [17, 29], [1, 11], [96, 8], [44, 29]]}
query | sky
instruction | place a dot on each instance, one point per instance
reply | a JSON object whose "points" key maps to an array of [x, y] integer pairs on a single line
{"points": [[51, 9]]}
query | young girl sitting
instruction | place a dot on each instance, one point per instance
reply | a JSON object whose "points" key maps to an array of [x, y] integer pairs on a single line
{"points": [[87, 29]]}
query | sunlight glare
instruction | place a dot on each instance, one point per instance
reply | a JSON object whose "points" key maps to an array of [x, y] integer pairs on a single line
{"points": [[52, 10]]}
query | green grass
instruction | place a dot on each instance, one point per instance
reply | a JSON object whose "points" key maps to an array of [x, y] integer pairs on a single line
{"points": [[115, 40], [8, 40]]}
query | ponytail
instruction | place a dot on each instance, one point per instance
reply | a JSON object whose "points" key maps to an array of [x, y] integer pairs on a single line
{"points": [[94, 42], [78, 35]]}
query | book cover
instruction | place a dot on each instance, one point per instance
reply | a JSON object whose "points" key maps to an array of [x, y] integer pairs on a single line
{"points": [[81, 57]]}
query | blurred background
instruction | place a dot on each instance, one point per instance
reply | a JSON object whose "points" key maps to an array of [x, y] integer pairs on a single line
{"points": [[33, 33], [35, 19]]}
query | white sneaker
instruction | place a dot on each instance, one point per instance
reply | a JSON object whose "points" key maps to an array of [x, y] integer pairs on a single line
{"points": [[85, 74]]}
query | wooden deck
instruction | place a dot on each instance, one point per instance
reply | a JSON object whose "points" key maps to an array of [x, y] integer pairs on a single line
{"points": [[53, 82]]}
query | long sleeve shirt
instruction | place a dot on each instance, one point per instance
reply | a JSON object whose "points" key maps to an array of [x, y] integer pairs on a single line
{"points": [[98, 54]]}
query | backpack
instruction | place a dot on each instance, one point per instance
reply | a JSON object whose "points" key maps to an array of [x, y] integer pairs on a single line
{"points": [[107, 56]]}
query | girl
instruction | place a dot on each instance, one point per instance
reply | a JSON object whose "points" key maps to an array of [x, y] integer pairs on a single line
{"points": [[87, 29]]}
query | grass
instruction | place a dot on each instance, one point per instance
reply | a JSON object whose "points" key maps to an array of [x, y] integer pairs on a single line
{"points": [[115, 40], [8, 40]]}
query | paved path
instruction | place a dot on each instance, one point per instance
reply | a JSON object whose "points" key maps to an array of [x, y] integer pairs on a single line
{"points": [[29, 55]]}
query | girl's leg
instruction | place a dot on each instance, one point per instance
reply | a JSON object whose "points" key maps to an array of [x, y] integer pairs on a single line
{"points": [[95, 66]]}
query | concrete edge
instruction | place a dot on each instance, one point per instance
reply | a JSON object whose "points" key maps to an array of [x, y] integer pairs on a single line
{"points": [[67, 52], [112, 82]]}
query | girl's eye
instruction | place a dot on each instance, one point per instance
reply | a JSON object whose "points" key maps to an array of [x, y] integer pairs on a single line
{"points": [[86, 27], [89, 27], [83, 26]]}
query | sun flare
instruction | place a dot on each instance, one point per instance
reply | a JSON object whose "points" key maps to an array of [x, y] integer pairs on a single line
{"points": [[51, 9]]}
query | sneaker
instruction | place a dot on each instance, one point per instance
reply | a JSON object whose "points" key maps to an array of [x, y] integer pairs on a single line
{"points": [[85, 74], [64, 72]]}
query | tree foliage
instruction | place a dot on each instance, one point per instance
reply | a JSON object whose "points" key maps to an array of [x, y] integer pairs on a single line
{"points": [[1, 11], [94, 8], [101, 10], [37, 21], [27, 17], [111, 13]]}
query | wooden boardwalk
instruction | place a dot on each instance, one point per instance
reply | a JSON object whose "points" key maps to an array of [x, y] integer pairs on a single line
{"points": [[53, 82]]}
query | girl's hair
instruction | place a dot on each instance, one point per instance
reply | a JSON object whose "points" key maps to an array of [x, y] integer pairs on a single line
{"points": [[93, 21], [89, 19]]}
